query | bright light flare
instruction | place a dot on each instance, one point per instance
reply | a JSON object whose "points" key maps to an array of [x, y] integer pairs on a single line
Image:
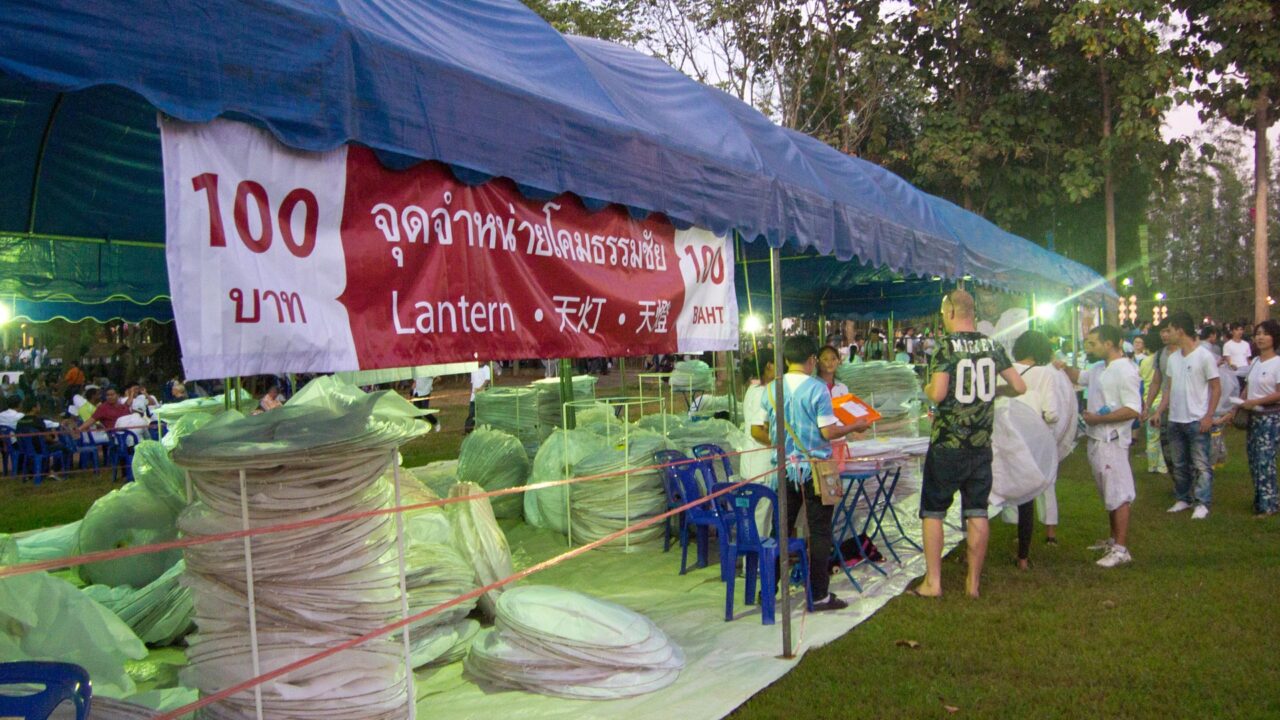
{"points": [[1046, 311], [752, 324]]}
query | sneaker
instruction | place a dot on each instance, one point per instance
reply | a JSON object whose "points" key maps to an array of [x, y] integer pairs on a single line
{"points": [[831, 602], [1201, 512], [1115, 556], [1180, 506], [1103, 544]]}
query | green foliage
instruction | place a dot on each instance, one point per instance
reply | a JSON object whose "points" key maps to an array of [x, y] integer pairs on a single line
{"points": [[603, 19], [1232, 50]]}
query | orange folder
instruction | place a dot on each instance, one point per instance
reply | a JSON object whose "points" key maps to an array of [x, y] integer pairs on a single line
{"points": [[850, 409]]}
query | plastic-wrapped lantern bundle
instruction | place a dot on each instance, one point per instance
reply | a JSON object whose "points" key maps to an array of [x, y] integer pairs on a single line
{"points": [[558, 642], [436, 572], [726, 435], [511, 410], [495, 460], [159, 613], [477, 536], [692, 375], [550, 414], [322, 455], [559, 455], [603, 506], [438, 476]]}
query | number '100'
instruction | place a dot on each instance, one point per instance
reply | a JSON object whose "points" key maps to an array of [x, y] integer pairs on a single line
{"points": [[248, 189]]}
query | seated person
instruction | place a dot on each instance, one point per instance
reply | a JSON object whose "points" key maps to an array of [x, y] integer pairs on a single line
{"points": [[34, 423], [107, 413], [91, 398], [271, 400]]}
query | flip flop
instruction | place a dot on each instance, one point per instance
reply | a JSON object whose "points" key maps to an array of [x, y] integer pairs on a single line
{"points": [[916, 593]]}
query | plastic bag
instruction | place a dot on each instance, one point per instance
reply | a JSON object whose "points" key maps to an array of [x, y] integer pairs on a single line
{"points": [[495, 460], [153, 470], [1024, 454], [128, 517], [50, 543], [550, 415], [48, 618]]}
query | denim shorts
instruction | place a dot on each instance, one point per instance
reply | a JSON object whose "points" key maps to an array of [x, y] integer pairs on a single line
{"points": [[947, 470]]}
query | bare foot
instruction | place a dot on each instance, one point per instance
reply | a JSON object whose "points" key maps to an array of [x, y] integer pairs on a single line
{"points": [[1024, 564], [971, 590], [924, 590]]}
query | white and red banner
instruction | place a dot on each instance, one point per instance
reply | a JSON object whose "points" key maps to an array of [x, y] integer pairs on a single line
{"points": [[288, 261]]}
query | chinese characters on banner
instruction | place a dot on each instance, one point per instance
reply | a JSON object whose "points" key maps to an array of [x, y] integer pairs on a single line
{"points": [[288, 261]]}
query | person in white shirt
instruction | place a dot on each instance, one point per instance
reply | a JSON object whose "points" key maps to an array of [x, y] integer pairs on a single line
{"points": [[12, 413], [1190, 395], [1261, 400], [481, 377], [1236, 351], [1115, 401]]}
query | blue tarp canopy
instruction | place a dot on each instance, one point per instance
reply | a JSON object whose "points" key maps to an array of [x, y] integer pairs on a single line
{"points": [[485, 86]]}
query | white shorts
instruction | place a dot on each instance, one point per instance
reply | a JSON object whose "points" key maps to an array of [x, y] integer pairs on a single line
{"points": [[1110, 464]]}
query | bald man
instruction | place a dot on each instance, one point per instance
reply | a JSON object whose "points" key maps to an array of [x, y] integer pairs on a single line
{"points": [[963, 385]]}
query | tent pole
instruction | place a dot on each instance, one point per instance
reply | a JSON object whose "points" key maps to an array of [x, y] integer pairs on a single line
{"points": [[780, 434], [888, 340], [566, 394], [733, 385], [226, 393], [822, 323]]}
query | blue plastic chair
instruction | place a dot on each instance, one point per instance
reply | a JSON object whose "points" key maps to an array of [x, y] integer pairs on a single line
{"points": [[707, 453], [701, 518], [120, 452], [87, 451], [761, 553], [671, 485], [38, 456], [61, 681]]}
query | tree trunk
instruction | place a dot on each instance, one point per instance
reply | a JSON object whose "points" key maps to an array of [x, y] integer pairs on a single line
{"points": [[1108, 191], [1261, 309]]}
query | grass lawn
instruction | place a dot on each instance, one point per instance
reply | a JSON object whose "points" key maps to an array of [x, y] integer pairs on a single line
{"points": [[1190, 629]]}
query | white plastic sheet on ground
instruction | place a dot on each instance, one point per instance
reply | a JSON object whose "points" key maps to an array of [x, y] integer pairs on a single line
{"points": [[726, 662], [554, 641]]}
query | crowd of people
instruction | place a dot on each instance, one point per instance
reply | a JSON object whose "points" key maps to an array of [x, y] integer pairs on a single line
{"points": [[1172, 383]]}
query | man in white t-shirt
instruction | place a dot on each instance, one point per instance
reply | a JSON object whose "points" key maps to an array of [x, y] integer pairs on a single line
{"points": [[480, 379], [1237, 352], [1191, 394], [1115, 401]]}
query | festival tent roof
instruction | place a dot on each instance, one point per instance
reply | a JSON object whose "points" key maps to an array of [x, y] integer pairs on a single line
{"points": [[483, 85]]}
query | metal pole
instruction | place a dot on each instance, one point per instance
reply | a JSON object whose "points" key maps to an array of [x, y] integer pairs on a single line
{"points": [[779, 437], [733, 386], [622, 380], [566, 394]]}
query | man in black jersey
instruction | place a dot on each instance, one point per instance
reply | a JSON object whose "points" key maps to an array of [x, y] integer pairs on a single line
{"points": [[963, 385]]}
